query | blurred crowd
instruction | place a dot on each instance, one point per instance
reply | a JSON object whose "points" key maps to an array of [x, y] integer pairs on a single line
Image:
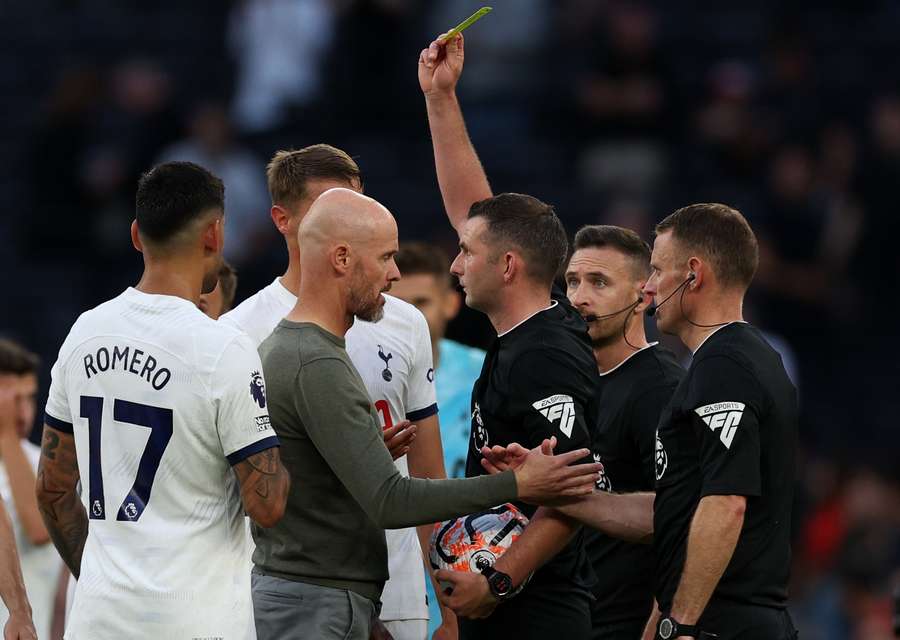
{"points": [[615, 112]]}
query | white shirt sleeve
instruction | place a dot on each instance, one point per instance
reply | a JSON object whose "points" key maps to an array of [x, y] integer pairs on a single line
{"points": [[239, 392], [422, 400], [57, 412]]}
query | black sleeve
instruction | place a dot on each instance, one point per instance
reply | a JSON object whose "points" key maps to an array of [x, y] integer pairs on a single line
{"points": [[726, 402], [643, 419], [549, 399]]}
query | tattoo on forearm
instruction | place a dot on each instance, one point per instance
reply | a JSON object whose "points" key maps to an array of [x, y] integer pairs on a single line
{"points": [[265, 462], [263, 477], [49, 444], [60, 507]]}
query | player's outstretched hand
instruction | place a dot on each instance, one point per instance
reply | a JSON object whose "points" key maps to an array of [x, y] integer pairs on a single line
{"points": [[399, 437], [468, 594], [496, 459], [440, 65], [547, 479], [19, 627]]}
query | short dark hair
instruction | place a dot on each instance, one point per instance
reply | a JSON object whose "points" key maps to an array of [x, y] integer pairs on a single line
{"points": [[172, 195], [625, 241], [16, 359], [720, 234], [228, 285], [288, 171], [415, 258], [529, 225]]}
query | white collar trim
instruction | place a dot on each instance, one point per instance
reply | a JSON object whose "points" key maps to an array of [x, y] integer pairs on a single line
{"points": [[605, 373], [553, 303]]}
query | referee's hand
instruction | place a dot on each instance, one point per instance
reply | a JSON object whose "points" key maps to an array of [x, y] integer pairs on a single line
{"points": [[497, 459], [547, 479]]}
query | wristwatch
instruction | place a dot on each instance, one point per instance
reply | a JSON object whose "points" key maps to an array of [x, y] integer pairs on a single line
{"points": [[668, 627], [500, 584]]}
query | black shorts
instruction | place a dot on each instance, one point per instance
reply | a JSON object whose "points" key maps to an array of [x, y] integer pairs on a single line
{"points": [[540, 612], [747, 622]]}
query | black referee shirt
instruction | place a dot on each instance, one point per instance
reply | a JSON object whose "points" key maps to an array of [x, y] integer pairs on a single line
{"points": [[631, 398], [538, 380], [731, 429]]}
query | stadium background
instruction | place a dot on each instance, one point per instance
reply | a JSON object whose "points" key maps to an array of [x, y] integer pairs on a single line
{"points": [[614, 112]]}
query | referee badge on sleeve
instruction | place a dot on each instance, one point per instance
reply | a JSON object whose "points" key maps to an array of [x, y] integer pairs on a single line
{"points": [[722, 415], [558, 407]]}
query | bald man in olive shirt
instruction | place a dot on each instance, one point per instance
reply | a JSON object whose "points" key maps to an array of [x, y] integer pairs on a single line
{"points": [[319, 572]]}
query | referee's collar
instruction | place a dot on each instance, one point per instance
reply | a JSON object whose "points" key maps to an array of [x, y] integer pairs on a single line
{"points": [[553, 303], [714, 332], [629, 357]]}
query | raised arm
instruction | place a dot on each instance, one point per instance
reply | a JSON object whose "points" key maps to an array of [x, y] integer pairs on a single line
{"points": [[264, 486], [57, 496], [460, 175]]}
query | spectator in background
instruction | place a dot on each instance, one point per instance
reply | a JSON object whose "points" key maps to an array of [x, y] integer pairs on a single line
{"points": [[426, 283], [506, 71], [56, 155], [279, 46], [19, 457], [211, 144], [624, 103], [221, 299], [849, 553]]}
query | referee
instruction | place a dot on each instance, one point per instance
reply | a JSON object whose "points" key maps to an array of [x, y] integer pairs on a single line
{"points": [[538, 380], [604, 281], [726, 445]]}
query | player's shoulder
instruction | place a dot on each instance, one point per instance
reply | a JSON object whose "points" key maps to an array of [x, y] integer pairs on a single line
{"points": [[251, 305], [105, 318]]}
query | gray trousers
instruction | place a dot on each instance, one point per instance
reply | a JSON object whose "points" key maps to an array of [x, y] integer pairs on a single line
{"points": [[288, 610]]}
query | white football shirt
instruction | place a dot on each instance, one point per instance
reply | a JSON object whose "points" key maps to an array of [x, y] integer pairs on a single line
{"points": [[393, 357], [162, 401]]}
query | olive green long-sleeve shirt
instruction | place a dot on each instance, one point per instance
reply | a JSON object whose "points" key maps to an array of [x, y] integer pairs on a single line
{"points": [[345, 489]]}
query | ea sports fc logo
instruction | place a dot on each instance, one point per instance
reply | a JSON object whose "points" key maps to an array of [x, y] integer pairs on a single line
{"points": [[258, 389], [662, 460]]}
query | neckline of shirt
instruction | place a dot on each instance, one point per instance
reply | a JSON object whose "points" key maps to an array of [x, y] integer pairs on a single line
{"points": [[715, 331], [140, 297], [606, 373], [553, 303], [283, 292]]}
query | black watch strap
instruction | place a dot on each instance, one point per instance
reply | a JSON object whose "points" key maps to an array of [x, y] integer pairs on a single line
{"points": [[499, 583], [668, 629]]}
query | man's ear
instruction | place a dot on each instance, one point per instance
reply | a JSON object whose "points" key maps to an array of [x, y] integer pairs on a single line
{"points": [[136, 237], [645, 299], [512, 264], [341, 258], [282, 219], [213, 236], [696, 267]]}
